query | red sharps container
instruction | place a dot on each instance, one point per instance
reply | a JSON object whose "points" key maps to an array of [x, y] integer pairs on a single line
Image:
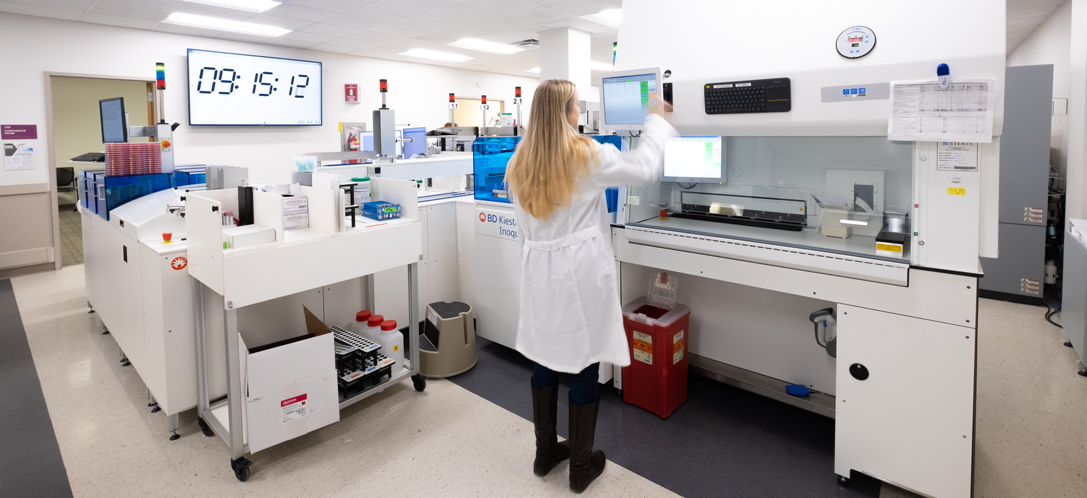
{"points": [[657, 331]]}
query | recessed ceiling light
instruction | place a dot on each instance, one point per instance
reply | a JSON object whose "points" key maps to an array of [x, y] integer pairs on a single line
{"points": [[609, 18], [224, 25], [533, 70], [485, 46], [246, 5], [435, 55], [601, 66]]}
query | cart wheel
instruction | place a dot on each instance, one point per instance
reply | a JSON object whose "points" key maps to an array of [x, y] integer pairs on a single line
{"points": [[241, 468], [419, 381], [204, 427], [843, 481]]}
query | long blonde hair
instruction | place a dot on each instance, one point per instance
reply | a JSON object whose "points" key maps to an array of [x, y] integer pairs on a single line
{"points": [[543, 172]]}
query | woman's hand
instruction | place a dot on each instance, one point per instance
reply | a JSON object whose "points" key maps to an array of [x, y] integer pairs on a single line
{"points": [[659, 106]]}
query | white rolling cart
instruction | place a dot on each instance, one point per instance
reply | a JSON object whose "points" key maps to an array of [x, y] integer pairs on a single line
{"points": [[326, 253]]}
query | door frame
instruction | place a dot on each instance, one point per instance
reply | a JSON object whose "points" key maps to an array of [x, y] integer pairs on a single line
{"points": [[50, 141]]}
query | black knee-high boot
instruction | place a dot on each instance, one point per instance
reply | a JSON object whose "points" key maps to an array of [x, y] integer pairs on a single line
{"points": [[549, 452], [585, 464]]}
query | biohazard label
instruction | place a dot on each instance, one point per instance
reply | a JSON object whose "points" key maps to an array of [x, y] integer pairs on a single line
{"points": [[643, 348], [677, 347], [294, 408]]}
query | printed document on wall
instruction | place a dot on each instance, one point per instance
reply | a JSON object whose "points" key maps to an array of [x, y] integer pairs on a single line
{"points": [[962, 112], [19, 155]]}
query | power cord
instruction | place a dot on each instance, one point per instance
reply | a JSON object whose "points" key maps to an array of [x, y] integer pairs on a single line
{"points": [[1053, 311]]}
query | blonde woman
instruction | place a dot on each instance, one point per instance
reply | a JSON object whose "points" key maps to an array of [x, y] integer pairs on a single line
{"points": [[570, 312]]}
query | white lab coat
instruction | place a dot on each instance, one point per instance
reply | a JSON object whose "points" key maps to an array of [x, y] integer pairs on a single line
{"points": [[571, 316]]}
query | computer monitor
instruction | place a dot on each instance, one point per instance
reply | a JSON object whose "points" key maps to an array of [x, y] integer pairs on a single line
{"points": [[114, 124], [694, 160], [416, 146], [367, 139], [626, 96]]}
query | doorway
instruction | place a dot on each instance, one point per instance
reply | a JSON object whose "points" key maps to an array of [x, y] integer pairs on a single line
{"points": [[468, 113], [74, 131]]}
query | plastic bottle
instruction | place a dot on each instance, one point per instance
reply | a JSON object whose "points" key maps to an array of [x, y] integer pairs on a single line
{"points": [[391, 341], [360, 323], [373, 327]]}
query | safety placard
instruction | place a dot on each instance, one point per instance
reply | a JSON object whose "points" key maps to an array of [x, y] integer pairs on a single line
{"points": [[643, 347], [677, 347], [957, 156], [956, 191], [294, 408]]}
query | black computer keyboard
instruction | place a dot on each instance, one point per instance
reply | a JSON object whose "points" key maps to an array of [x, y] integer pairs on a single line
{"points": [[737, 97], [91, 157]]}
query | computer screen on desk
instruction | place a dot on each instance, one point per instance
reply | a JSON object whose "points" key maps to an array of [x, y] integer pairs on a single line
{"points": [[694, 160]]}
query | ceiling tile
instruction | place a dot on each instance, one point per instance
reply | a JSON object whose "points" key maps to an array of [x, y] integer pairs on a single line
{"points": [[351, 21], [439, 37], [163, 5], [506, 24], [183, 30], [583, 7], [547, 2], [197, 9], [381, 14], [81, 5], [466, 15], [1043, 10], [336, 49], [366, 39], [431, 24], [339, 6], [418, 6], [113, 9], [282, 22], [539, 15], [285, 42], [329, 29], [400, 31], [307, 37], [573, 22], [1023, 4], [300, 12], [226, 35], [124, 22], [501, 6], [40, 11]]}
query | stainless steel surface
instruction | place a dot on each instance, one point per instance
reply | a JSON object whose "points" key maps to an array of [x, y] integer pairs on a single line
{"points": [[233, 386], [1022, 256], [385, 132], [1025, 142], [816, 402]]}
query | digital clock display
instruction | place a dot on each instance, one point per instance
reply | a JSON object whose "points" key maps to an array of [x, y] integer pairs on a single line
{"points": [[246, 90]]}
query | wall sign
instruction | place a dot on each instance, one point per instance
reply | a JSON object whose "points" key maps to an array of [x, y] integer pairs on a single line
{"points": [[18, 132], [351, 93]]}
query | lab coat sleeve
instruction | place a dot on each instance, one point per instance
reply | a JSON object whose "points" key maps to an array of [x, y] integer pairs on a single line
{"points": [[639, 166]]}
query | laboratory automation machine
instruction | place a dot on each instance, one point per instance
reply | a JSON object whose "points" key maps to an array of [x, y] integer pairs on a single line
{"points": [[823, 176]]}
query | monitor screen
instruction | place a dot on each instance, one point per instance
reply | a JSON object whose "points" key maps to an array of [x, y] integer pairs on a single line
{"points": [[112, 113], [626, 98], [694, 159], [247, 90], [418, 145]]}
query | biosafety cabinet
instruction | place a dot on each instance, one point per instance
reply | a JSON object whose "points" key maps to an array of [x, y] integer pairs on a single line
{"points": [[850, 178]]}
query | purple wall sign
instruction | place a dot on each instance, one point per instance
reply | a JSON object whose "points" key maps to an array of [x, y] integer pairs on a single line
{"points": [[19, 132]]}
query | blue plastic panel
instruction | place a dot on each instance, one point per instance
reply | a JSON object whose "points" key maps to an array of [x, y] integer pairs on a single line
{"points": [[615, 140], [123, 189], [416, 147], [612, 193], [489, 157]]}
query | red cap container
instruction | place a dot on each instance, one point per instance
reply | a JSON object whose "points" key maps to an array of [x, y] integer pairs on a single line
{"points": [[388, 325], [363, 316], [375, 320]]}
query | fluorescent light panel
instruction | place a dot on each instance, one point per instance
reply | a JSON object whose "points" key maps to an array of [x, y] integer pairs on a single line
{"points": [[246, 5], [601, 66], [533, 70], [485, 46], [609, 18], [423, 53], [224, 25]]}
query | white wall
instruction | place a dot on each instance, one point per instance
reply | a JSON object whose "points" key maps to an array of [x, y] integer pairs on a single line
{"points": [[417, 92], [1049, 43]]}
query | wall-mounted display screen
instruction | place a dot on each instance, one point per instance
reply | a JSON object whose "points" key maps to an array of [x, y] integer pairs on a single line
{"points": [[693, 159], [246, 90]]}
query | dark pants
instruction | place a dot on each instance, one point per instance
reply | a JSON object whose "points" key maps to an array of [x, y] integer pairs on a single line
{"points": [[584, 386]]}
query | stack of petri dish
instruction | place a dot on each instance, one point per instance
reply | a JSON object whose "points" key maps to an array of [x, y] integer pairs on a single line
{"points": [[153, 157]]}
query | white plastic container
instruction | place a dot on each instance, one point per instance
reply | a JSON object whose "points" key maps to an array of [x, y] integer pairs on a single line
{"points": [[359, 325], [391, 341], [362, 190], [373, 327]]}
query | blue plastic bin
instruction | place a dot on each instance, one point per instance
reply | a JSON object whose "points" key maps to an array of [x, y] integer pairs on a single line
{"points": [[116, 191], [490, 155]]}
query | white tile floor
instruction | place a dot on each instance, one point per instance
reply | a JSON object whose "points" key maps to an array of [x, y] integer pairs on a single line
{"points": [[1031, 424]]}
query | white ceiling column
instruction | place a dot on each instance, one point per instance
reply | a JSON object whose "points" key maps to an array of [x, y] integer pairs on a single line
{"points": [[564, 55]]}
